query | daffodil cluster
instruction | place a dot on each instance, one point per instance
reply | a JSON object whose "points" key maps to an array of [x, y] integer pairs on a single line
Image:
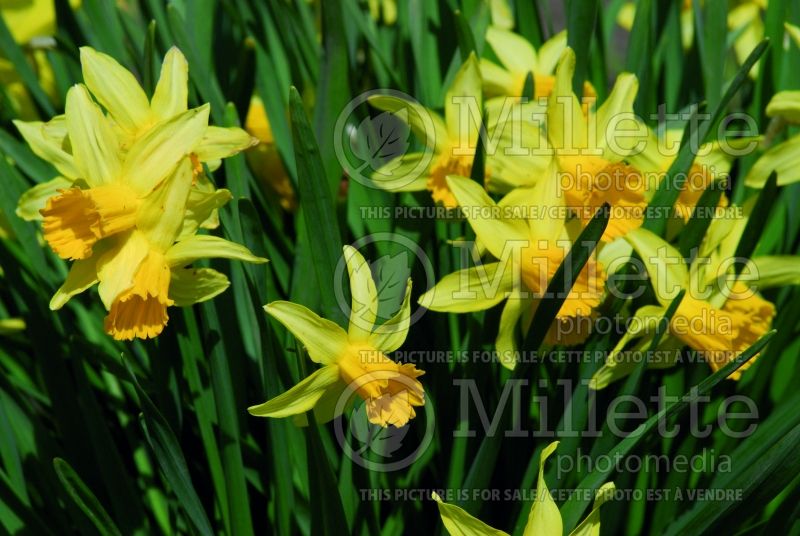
{"points": [[132, 193]]}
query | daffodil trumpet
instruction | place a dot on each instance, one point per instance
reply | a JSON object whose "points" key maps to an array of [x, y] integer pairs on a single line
{"points": [[354, 361]]}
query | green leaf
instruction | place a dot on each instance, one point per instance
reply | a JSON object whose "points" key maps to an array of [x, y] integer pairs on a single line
{"points": [[572, 510], [318, 209], [84, 498], [170, 458]]}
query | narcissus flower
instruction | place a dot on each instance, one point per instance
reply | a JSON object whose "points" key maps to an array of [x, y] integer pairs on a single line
{"points": [[591, 154], [352, 361], [264, 159], [452, 142], [627, 14], [519, 60], [133, 194], [544, 518], [529, 249], [747, 27], [718, 322]]}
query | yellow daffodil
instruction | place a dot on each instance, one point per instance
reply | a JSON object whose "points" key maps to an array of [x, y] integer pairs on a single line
{"points": [[264, 159], [452, 141], [719, 321], [747, 27], [544, 518], [132, 196], [529, 250], [519, 59], [32, 25], [591, 150], [352, 361], [784, 157]]}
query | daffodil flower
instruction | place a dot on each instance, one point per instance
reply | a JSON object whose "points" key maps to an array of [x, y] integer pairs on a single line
{"points": [[590, 153], [129, 203], [747, 29], [718, 322], [529, 251], [783, 158], [136, 123], [519, 59], [452, 141], [352, 361], [544, 518], [264, 159]]}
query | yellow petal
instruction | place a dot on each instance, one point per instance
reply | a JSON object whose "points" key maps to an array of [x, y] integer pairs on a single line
{"points": [[390, 335], [116, 89], [460, 523], [783, 158], [194, 285], [566, 126], [325, 341], [300, 398], [785, 104], [94, 143], [406, 173], [550, 52], [470, 289], [514, 51], [427, 126], [82, 275], [35, 199], [777, 270], [497, 80], [614, 118], [794, 32], [201, 209], [664, 263], [591, 525], [364, 302], [172, 90], [198, 247], [117, 267], [46, 148], [506, 341], [218, 143], [162, 212], [463, 105], [501, 14], [481, 211], [157, 152], [544, 518]]}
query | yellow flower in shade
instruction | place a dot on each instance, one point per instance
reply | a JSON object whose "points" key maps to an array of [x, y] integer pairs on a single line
{"points": [[591, 151], [718, 322], [29, 21], [452, 141], [128, 214], [383, 9], [519, 59], [747, 28], [352, 361], [529, 250], [544, 518], [264, 159]]}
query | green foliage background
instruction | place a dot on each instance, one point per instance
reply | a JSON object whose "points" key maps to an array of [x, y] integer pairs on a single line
{"points": [[154, 437]]}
